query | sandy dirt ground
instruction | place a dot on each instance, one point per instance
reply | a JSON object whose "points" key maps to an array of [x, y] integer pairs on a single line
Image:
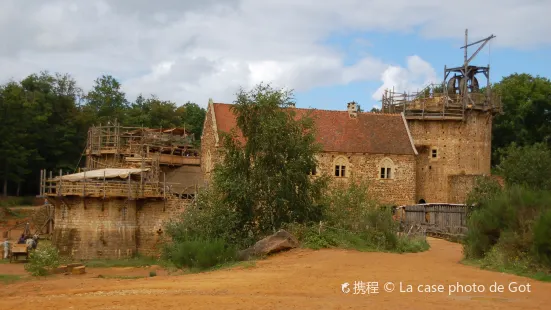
{"points": [[299, 279]]}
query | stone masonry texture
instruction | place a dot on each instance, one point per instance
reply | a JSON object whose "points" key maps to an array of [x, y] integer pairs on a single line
{"points": [[112, 228]]}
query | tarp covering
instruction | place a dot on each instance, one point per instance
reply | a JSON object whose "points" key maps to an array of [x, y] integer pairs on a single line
{"points": [[108, 173]]}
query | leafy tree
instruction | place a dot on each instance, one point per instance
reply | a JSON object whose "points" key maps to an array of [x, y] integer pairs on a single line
{"points": [[152, 112], [527, 112], [527, 165], [106, 100], [265, 179], [192, 118], [14, 147]]}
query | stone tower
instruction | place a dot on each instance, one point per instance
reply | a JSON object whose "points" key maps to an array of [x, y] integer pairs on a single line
{"points": [[451, 126]]}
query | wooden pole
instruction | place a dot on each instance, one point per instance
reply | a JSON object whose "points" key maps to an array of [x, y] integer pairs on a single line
{"points": [[103, 184], [40, 186], [49, 188], [60, 182], [129, 186], [51, 214], [84, 186], [164, 185]]}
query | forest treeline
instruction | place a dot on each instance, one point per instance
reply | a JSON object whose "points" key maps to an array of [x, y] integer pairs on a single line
{"points": [[44, 120]]}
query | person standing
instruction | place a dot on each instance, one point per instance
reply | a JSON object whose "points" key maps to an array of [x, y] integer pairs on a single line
{"points": [[6, 248], [29, 243]]}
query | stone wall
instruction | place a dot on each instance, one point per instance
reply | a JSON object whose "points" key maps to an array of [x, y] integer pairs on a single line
{"points": [[459, 187], [151, 218], [462, 148], [398, 190], [211, 152], [112, 228], [208, 144], [95, 228]]}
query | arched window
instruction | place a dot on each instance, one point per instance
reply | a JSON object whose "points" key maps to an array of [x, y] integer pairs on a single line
{"points": [[342, 167], [386, 169]]}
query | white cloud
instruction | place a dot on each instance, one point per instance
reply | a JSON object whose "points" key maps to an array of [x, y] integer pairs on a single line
{"points": [[196, 49], [414, 77]]}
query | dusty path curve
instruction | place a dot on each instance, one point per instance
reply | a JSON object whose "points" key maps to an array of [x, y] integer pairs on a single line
{"points": [[300, 279]]}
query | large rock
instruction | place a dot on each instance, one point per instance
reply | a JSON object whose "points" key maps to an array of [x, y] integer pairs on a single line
{"points": [[280, 241]]}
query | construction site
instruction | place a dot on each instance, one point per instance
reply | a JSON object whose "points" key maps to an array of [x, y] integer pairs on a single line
{"points": [[134, 181]]}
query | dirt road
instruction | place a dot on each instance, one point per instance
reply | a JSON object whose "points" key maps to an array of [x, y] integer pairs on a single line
{"points": [[299, 279]]}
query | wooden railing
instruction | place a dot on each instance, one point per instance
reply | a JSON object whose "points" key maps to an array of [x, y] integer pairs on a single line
{"points": [[439, 105], [130, 188], [103, 189]]}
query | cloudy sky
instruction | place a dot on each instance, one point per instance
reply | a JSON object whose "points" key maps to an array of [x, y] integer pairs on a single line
{"points": [[329, 52]]}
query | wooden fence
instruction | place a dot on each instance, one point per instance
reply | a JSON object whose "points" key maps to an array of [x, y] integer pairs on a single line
{"points": [[437, 219]]}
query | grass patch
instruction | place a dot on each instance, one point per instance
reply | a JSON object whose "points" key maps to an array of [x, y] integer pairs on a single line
{"points": [[121, 277], [9, 278], [17, 201], [311, 237], [129, 262], [201, 254], [483, 264]]}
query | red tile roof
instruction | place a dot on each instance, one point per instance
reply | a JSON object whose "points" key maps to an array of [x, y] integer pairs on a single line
{"points": [[337, 132]]}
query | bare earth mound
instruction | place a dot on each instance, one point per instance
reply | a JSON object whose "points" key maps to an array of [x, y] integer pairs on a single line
{"points": [[294, 280]]}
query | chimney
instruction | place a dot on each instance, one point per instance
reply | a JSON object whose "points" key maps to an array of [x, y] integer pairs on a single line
{"points": [[352, 109]]}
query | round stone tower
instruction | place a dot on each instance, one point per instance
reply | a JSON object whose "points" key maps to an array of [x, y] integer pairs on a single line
{"points": [[451, 126]]}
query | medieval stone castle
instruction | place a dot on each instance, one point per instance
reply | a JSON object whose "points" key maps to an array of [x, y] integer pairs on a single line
{"points": [[426, 147], [428, 150]]}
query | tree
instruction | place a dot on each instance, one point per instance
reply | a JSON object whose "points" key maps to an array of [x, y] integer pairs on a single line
{"points": [[527, 112], [528, 165], [265, 179], [192, 118], [106, 101], [152, 112], [14, 147]]}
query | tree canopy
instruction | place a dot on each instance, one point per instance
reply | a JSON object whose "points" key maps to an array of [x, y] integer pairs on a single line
{"points": [[526, 117], [44, 119]]}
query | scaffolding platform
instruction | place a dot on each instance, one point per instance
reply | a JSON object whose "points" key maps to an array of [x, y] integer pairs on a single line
{"points": [[113, 145], [110, 183]]}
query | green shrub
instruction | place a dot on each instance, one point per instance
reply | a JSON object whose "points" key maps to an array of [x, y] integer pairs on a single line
{"points": [[43, 259], [200, 253], [152, 274], [528, 165], [209, 219], [511, 230], [542, 239], [355, 221], [484, 190]]}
